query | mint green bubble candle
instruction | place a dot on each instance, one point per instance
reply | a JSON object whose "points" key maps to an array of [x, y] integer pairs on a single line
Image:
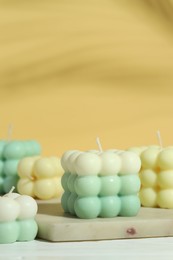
{"points": [[100, 183], [17, 221], [11, 152]]}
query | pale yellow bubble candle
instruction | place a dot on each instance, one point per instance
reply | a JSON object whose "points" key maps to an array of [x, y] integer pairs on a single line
{"points": [[156, 175]]}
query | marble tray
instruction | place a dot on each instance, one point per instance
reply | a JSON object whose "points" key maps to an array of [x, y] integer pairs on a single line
{"points": [[56, 226]]}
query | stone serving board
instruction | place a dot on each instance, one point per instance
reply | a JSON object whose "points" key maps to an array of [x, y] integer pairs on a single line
{"points": [[56, 226]]}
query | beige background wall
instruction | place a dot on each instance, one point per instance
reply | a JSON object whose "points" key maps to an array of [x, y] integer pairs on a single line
{"points": [[73, 70]]}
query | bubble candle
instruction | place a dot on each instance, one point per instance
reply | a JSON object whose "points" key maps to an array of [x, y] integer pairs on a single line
{"points": [[11, 152], [100, 183], [17, 221], [40, 177], [156, 175]]}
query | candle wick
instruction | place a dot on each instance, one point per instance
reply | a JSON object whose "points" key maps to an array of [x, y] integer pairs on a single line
{"points": [[9, 132], [159, 138], [12, 189], [99, 144]]}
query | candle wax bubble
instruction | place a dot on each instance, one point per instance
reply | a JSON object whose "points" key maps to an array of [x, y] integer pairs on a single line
{"points": [[130, 184], [148, 197], [165, 179], [70, 161], [28, 230], [130, 205], [148, 178], [70, 203], [59, 189], [110, 185], [9, 209], [9, 182], [87, 207], [165, 159], [45, 188], [64, 180], [137, 150], [12, 195], [64, 159], [71, 181], [87, 185], [28, 207], [110, 206], [10, 167], [131, 163], [14, 150], [9, 232], [88, 164], [64, 200], [149, 157], [165, 198], [57, 163], [26, 187], [25, 166], [43, 168], [111, 163], [32, 148]]}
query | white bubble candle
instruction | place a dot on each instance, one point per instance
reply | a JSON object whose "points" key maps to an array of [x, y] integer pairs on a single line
{"points": [[17, 213]]}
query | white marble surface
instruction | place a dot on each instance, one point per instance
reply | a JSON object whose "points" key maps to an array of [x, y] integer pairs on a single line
{"points": [[152, 248]]}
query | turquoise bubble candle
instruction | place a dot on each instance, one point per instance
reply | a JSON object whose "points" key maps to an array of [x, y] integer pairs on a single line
{"points": [[17, 221], [100, 183], [11, 152]]}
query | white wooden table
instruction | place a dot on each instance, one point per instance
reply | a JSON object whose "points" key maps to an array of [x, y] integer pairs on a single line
{"points": [[129, 249]]}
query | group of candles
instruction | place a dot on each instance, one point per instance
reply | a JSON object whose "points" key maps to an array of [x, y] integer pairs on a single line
{"points": [[91, 184]]}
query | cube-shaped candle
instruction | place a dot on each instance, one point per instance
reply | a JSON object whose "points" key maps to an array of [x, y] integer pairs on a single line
{"points": [[156, 175], [11, 152], [17, 213], [100, 184], [40, 177]]}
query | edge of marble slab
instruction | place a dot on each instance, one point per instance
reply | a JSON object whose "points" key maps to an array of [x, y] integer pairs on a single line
{"points": [[56, 226]]}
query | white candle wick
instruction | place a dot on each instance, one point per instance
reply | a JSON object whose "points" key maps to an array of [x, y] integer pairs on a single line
{"points": [[99, 144], [12, 189], [159, 138]]}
